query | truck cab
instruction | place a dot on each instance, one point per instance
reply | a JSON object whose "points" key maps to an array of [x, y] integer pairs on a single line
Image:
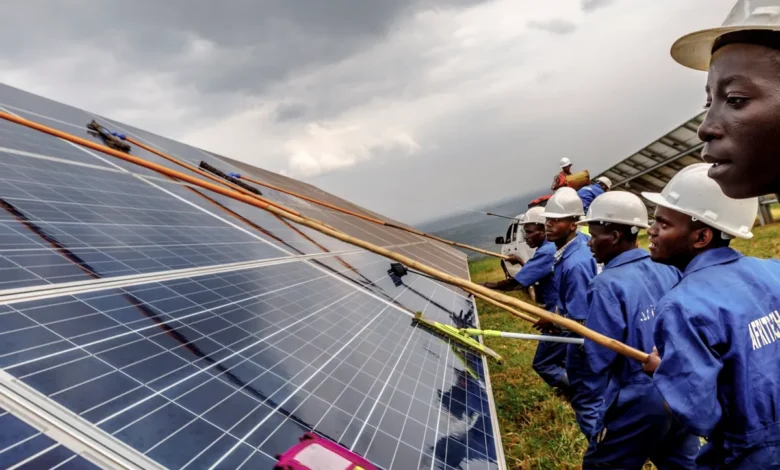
{"points": [[513, 243]]}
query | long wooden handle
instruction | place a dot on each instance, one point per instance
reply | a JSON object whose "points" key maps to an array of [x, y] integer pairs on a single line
{"points": [[571, 325], [509, 309], [375, 220]]}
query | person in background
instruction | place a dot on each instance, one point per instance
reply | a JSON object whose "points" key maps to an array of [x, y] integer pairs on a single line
{"points": [[560, 179], [588, 193], [633, 425], [740, 132], [717, 331], [550, 358], [574, 267]]}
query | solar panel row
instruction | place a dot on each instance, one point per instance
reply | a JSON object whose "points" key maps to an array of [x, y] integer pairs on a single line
{"points": [[216, 345]]}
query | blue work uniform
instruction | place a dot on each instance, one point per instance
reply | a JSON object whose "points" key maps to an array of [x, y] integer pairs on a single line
{"points": [[573, 273], [718, 335], [549, 359], [538, 269], [632, 424], [588, 194]]}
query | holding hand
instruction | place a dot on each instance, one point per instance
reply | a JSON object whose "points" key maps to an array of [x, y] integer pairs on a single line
{"points": [[652, 362]]}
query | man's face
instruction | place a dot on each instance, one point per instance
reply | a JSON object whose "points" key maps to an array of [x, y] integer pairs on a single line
{"points": [[567, 169], [534, 235], [671, 237], [559, 229], [602, 242], [741, 130]]}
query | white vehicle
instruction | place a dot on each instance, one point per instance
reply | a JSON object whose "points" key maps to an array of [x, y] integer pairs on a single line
{"points": [[514, 244]]}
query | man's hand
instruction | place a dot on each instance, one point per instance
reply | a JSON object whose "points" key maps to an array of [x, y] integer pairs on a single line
{"points": [[653, 360], [514, 259], [545, 326]]}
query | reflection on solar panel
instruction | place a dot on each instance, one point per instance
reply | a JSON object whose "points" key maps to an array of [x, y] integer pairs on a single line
{"points": [[166, 326]]}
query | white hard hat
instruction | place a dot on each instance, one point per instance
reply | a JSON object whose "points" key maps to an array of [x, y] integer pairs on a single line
{"points": [[564, 203], [604, 180], [695, 49], [565, 162], [693, 193], [534, 216], [617, 207]]}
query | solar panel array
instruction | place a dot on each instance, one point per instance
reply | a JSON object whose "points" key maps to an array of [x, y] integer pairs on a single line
{"points": [[184, 329], [651, 168]]}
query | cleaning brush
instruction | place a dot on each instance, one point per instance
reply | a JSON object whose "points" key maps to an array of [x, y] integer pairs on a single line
{"points": [[453, 334]]}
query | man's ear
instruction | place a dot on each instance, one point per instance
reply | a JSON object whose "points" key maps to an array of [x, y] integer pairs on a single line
{"points": [[702, 237], [617, 236]]}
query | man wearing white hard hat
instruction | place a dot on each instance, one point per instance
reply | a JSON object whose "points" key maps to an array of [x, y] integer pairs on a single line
{"points": [[633, 425], [550, 358], [740, 132], [590, 192], [573, 267], [718, 330], [560, 179]]}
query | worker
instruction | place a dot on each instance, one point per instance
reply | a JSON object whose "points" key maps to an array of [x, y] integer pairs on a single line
{"points": [[549, 360], [743, 97], [590, 192], [633, 425], [574, 267], [717, 331], [560, 180]]}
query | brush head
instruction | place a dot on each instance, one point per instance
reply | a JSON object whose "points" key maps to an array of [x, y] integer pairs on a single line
{"points": [[398, 269], [451, 333]]}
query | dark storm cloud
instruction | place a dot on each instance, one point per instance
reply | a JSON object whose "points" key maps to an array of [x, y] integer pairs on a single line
{"points": [[554, 26], [288, 112], [591, 5], [257, 42]]}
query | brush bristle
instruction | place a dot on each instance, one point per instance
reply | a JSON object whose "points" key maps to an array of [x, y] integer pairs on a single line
{"points": [[449, 332]]}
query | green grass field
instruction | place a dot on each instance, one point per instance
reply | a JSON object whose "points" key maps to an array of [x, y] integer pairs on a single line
{"points": [[537, 427]]}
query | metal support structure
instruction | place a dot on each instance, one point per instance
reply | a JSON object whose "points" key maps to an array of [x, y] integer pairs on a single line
{"points": [[765, 211]]}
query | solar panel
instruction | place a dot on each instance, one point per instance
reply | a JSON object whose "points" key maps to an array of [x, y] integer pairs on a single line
{"points": [[23, 446], [194, 331]]}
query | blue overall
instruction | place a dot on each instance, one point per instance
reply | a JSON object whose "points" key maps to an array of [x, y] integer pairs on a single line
{"points": [[549, 359], [718, 335], [632, 424], [573, 274], [588, 194]]}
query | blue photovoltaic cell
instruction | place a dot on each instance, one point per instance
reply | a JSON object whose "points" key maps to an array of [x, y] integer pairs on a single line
{"points": [[223, 370], [60, 223], [24, 447], [269, 366]]}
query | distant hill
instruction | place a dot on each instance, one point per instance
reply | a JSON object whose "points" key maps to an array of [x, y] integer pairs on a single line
{"points": [[479, 230]]}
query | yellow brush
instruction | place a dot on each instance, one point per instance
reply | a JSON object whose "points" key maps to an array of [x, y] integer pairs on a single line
{"points": [[453, 334]]}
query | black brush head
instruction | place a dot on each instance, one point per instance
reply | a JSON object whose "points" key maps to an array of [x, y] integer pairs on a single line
{"points": [[398, 269]]}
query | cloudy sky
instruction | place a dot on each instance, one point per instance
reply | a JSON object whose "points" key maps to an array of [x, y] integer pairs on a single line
{"points": [[413, 108]]}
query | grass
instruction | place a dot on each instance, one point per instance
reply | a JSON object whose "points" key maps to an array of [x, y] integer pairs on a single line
{"points": [[537, 427]]}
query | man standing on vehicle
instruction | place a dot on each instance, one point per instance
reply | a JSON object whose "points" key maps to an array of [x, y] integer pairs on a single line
{"points": [[560, 179], [718, 330], [633, 425]]}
